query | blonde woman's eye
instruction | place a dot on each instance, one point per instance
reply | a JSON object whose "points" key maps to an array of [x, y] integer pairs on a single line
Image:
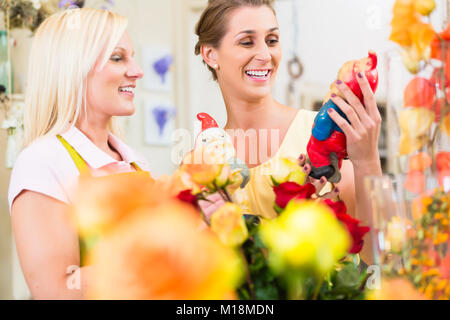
{"points": [[273, 41], [116, 58]]}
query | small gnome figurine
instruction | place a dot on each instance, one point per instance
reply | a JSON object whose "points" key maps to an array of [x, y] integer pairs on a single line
{"points": [[327, 147], [217, 141]]}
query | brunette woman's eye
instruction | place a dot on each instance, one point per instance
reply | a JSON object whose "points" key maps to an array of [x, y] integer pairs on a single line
{"points": [[246, 43], [273, 41]]}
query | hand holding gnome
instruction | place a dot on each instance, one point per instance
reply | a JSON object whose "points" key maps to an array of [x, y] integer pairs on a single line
{"points": [[348, 118]]}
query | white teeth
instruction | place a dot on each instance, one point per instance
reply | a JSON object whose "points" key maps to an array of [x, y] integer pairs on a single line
{"points": [[126, 89], [258, 74]]}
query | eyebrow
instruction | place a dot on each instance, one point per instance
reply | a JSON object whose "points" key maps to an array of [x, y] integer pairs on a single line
{"points": [[253, 31], [123, 49]]}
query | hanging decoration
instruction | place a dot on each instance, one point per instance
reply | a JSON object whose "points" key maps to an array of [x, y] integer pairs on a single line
{"points": [[295, 67]]}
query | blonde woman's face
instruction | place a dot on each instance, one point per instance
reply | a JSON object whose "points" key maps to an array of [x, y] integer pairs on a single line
{"points": [[250, 53], [110, 89]]}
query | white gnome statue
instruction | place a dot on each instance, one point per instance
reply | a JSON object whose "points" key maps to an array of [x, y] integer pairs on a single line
{"points": [[218, 143]]}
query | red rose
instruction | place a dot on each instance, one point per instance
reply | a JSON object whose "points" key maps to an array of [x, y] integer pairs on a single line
{"points": [[338, 207], [287, 191], [187, 196], [352, 224]]}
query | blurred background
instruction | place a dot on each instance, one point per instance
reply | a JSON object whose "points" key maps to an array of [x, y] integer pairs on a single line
{"points": [[322, 34]]}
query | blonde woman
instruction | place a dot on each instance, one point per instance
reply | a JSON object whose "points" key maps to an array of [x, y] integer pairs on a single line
{"points": [[82, 75]]}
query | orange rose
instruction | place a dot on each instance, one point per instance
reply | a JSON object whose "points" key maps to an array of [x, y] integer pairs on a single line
{"points": [[163, 252], [200, 169], [101, 203]]}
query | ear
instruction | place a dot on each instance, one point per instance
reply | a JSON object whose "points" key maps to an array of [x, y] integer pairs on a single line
{"points": [[209, 55]]}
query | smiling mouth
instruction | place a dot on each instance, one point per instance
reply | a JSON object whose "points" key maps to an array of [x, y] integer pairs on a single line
{"points": [[128, 90], [259, 75]]}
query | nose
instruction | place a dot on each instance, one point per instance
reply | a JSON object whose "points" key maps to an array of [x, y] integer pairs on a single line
{"points": [[263, 53], [134, 71]]}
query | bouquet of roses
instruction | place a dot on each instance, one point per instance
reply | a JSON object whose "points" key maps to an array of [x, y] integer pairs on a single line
{"points": [[144, 243], [308, 251]]}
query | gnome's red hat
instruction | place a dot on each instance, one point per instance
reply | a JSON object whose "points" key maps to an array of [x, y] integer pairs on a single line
{"points": [[207, 121]]}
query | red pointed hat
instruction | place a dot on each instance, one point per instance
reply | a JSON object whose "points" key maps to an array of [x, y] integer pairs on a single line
{"points": [[207, 121]]}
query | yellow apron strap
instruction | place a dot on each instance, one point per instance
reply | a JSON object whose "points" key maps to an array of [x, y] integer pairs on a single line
{"points": [[134, 164], [77, 159]]}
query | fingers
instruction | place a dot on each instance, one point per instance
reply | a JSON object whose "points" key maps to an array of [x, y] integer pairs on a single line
{"points": [[214, 202], [307, 169], [349, 111], [320, 184], [351, 98], [369, 97], [301, 160], [332, 195], [348, 130], [354, 101]]}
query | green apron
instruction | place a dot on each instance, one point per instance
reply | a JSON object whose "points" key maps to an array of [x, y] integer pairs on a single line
{"points": [[83, 168]]}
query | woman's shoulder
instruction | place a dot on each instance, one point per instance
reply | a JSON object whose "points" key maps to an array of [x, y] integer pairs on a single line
{"points": [[45, 151], [298, 116], [39, 167], [302, 122], [40, 149], [298, 134], [306, 115]]}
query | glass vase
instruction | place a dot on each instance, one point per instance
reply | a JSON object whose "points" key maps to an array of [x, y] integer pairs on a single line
{"points": [[410, 233]]}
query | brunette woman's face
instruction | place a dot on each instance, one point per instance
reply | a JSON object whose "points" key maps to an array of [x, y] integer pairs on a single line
{"points": [[110, 89], [249, 54]]}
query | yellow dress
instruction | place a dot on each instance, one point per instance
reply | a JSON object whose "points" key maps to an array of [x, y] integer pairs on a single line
{"points": [[259, 193]]}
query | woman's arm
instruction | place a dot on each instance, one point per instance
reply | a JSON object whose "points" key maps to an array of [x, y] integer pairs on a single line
{"points": [[353, 193], [48, 249], [362, 135]]}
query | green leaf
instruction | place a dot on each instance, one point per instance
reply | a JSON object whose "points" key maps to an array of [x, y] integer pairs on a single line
{"points": [[277, 209], [275, 184], [348, 277]]}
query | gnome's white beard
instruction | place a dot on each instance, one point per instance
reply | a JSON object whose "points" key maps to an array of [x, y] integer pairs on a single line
{"points": [[217, 145]]}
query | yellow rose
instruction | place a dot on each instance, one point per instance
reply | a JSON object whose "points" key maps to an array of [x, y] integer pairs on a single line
{"points": [[288, 170], [306, 236], [240, 197], [224, 177], [236, 181], [229, 224], [424, 7]]}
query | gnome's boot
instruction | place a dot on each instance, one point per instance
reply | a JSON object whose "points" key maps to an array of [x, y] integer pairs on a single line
{"points": [[331, 172]]}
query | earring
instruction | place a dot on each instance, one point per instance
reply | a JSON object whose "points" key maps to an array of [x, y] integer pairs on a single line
{"points": [[216, 66]]}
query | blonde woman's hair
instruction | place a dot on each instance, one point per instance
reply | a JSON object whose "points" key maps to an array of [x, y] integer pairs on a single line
{"points": [[65, 49]]}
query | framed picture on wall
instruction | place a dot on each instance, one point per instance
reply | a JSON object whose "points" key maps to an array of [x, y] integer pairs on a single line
{"points": [[158, 64], [159, 122]]}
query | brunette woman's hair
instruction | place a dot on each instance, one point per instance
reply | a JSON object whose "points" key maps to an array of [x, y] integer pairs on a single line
{"points": [[212, 26]]}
